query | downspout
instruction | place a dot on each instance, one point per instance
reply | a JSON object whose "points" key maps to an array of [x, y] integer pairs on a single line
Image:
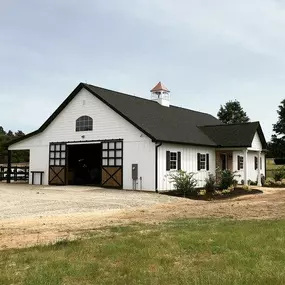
{"points": [[156, 166]]}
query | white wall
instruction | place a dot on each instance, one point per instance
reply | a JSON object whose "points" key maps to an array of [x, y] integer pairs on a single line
{"points": [[251, 172], [107, 124], [188, 163], [256, 143]]}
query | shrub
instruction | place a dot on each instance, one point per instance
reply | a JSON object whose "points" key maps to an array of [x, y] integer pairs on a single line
{"points": [[269, 182], [226, 191], [231, 188], [245, 187], [210, 183], [226, 178], [279, 174], [184, 182]]}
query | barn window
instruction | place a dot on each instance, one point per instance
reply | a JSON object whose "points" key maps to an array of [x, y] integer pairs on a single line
{"points": [[173, 160], [203, 161], [84, 123], [57, 154], [112, 153], [240, 162]]}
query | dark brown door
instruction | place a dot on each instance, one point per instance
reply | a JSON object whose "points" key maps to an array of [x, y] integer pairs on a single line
{"points": [[112, 177], [57, 164], [112, 164]]}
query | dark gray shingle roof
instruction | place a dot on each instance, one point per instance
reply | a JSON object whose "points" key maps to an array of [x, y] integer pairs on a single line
{"points": [[166, 124], [234, 135], [171, 124]]}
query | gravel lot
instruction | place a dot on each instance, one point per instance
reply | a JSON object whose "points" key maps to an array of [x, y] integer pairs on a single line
{"points": [[32, 215], [22, 200]]}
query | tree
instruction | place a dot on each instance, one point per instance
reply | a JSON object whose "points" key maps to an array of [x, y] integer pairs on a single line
{"points": [[10, 134], [232, 113], [19, 134], [277, 144], [2, 132], [17, 155]]}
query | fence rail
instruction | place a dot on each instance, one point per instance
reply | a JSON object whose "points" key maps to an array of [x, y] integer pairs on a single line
{"points": [[18, 173]]}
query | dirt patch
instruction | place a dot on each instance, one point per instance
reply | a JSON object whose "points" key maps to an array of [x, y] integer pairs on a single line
{"points": [[33, 230]]}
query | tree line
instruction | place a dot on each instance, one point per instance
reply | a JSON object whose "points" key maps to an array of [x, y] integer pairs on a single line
{"points": [[18, 155]]}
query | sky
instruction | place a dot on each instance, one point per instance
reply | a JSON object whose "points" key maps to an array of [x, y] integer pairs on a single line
{"points": [[206, 52]]}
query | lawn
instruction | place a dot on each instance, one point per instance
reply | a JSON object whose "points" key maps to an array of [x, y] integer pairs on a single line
{"points": [[211, 251], [271, 167]]}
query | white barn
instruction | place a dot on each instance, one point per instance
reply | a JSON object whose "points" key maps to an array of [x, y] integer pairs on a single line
{"points": [[106, 138]]}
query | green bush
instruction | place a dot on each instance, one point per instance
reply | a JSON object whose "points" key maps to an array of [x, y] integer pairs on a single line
{"points": [[226, 178], [210, 183], [279, 174], [252, 182], [184, 182], [269, 181]]}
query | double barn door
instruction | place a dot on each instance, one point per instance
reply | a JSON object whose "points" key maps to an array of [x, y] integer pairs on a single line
{"points": [[111, 161]]}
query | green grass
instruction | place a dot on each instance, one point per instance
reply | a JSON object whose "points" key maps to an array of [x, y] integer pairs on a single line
{"points": [[212, 251], [271, 167], [270, 164]]}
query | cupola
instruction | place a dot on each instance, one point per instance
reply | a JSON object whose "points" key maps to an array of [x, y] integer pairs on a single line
{"points": [[160, 94]]}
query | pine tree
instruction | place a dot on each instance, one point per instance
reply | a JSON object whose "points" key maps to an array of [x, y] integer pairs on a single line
{"points": [[232, 113], [277, 144]]}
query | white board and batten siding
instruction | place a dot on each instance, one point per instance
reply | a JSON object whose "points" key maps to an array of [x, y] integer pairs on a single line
{"points": [[188, 163], [252, 173], [107, 124]]}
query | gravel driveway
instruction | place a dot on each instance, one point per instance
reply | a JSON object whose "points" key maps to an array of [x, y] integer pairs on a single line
{"points": [[22, 200]]}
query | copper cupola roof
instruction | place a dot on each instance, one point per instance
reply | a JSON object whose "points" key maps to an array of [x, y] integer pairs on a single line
{"points": [[159, 87]]}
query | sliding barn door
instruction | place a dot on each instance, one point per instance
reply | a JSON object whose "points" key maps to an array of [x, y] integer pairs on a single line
{"points": [[57, 164], [112, 164]]}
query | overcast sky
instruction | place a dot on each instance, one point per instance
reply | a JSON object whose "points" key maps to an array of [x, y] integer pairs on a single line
{"points": [[206, 52]]}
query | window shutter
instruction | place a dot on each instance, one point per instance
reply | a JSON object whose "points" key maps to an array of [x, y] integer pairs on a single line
{"points": [[207, 162], [178, 160], [255, 162], [198, 161], [238, 162], [168, 160]]}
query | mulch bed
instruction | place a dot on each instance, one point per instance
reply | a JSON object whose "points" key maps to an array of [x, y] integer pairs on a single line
{"points": [[216, 195]]}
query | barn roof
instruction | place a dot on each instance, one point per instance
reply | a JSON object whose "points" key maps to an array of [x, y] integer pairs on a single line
{"points": [[164, 124], [234, 135]]}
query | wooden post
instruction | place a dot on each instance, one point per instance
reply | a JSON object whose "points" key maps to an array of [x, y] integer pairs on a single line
{"points": [[9, 166], [1, 173], [258, 170], [245, 166], [15, 173]]}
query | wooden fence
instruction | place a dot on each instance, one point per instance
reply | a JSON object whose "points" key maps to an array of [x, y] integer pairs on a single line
{"points": [[18, 173]]}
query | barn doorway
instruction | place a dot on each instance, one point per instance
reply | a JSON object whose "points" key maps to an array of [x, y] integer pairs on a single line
{"points": [[84, 164]]}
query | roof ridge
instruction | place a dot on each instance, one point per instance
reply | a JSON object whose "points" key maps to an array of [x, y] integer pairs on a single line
{"points": [[148, 100], [227, 125]]}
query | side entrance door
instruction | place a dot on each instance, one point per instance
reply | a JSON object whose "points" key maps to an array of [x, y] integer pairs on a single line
{"points": [[57, 164]]}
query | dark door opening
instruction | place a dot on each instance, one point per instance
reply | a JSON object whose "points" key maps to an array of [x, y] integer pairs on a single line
{"points": [[224, 161], [84, 164]]}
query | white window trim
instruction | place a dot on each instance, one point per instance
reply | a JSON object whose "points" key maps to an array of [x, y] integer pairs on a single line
{"points": [[176, 160], [241, 167], [204, 161]]}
